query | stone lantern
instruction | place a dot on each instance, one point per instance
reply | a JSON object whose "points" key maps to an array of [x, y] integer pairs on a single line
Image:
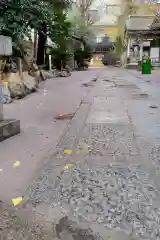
{"points": [[8, 127], [5, 50]]}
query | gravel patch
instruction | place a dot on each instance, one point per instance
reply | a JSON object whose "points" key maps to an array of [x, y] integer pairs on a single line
{"points": [[16, 224], [154, 154], [117, 197]]}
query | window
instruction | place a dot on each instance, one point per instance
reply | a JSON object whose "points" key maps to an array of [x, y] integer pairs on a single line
{"points": [[98, 39]]}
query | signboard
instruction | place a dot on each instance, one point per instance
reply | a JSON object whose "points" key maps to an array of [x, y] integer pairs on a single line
{"points": [[5, 46], [154, 54], [146, 44]]}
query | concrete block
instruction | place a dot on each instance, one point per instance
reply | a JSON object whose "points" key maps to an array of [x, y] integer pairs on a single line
{"points": [[9, 128]]}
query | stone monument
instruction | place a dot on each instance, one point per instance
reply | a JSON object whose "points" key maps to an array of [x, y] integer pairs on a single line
{"points": [[8, 127]]}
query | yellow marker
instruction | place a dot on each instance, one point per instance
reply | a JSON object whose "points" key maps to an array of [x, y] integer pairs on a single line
{"points": [[67, 166], [16, 164], [17, 201], [1, 170], [6, 83], [68, 151]]}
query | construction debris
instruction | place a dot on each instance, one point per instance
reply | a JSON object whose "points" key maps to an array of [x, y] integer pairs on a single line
{"points": [[87, 85], [153, 106], [65, 116]]}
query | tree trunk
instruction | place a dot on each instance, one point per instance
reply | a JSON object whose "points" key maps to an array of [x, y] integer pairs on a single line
{"points": [[35, 44], [20, 68], [41, 44]]}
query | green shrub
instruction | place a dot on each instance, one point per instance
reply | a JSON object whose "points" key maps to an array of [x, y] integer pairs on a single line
{"points": [[60, 58], [81, 56]]}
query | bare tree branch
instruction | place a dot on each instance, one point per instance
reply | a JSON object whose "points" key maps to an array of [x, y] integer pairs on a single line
{"points": [[92, 17], [84, 9], [88, 4]]}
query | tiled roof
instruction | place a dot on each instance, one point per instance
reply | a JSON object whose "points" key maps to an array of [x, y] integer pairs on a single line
{"points": [[139, 23], [156, 23]]}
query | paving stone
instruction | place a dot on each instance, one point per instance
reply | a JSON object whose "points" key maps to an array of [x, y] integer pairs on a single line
{"points": [[107, 111], [18, 224]]}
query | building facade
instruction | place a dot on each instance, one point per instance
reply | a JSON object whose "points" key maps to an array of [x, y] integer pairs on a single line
{"points": [[140, 37], [106, 25]]}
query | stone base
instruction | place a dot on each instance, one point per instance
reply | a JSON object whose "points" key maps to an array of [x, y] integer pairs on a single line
{"points": [[132, 66], [9, 128]]}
